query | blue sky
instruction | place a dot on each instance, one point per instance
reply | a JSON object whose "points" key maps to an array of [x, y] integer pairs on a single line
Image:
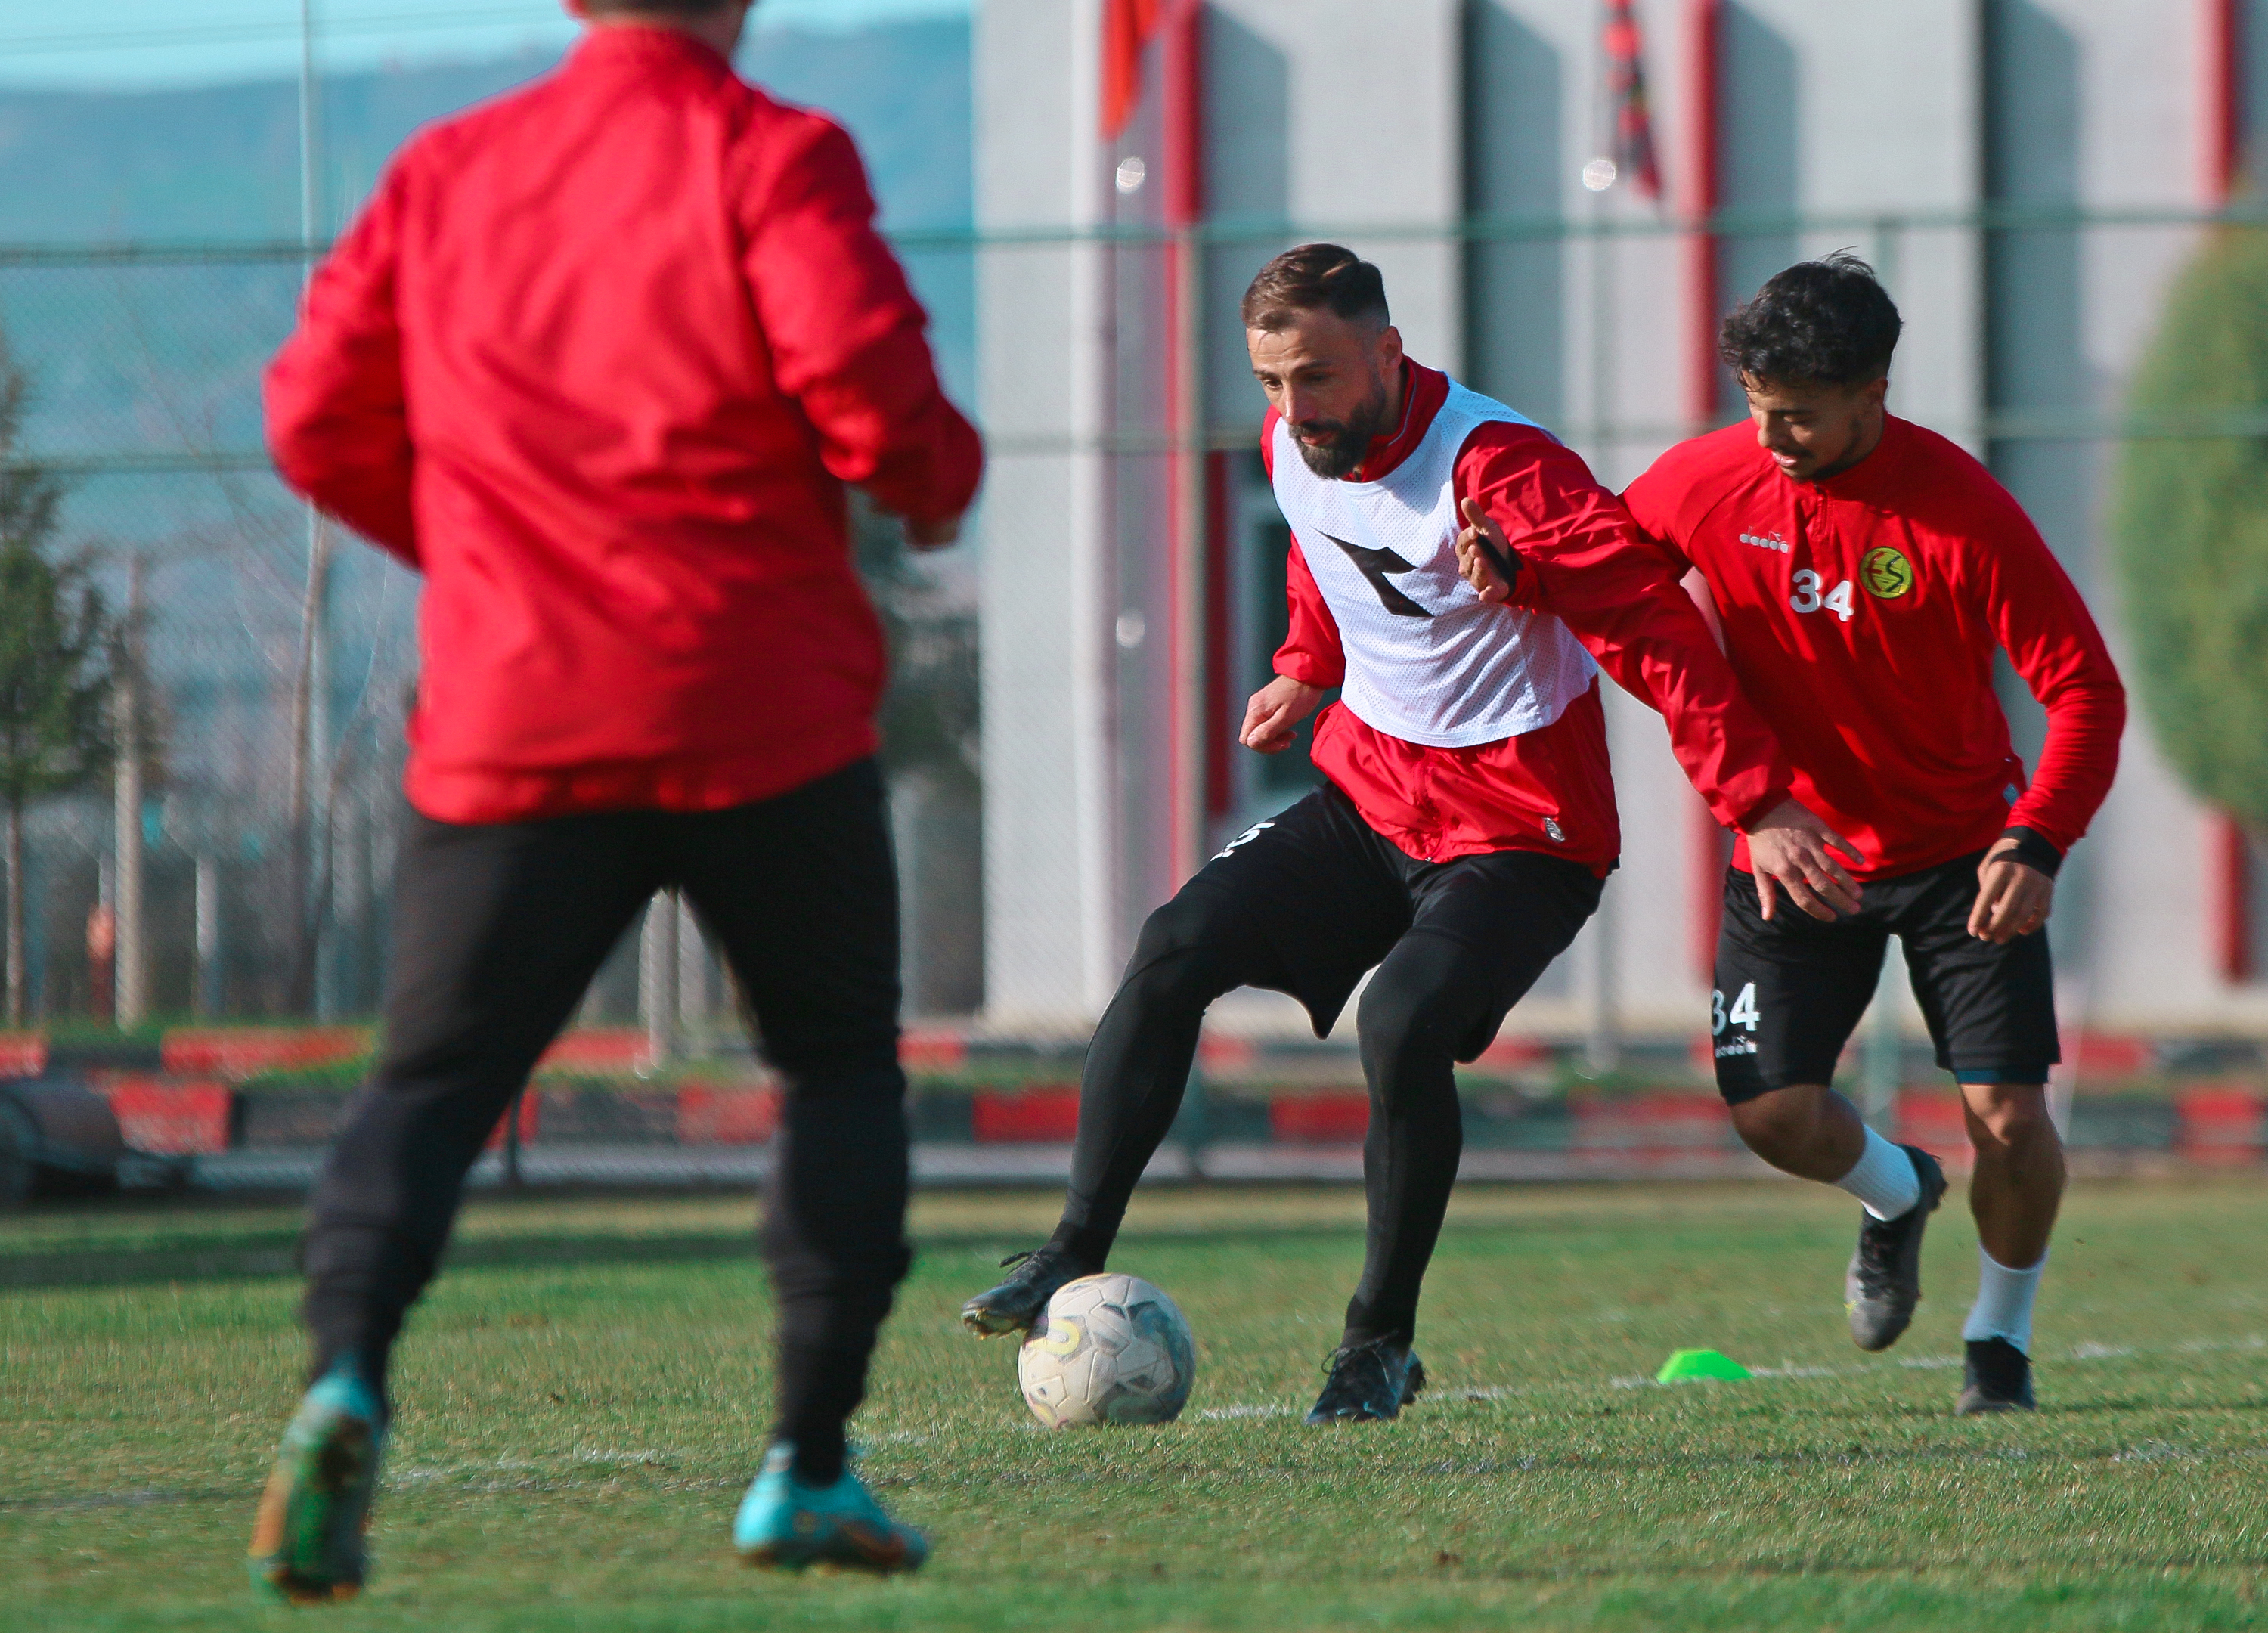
{"points": [[148, 43]]}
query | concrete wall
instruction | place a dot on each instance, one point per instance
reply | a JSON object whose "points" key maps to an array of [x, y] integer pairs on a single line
{"points": [[1070, 538], [1888, 126], [2101, 110], [1297, 92], [1036, 169]]}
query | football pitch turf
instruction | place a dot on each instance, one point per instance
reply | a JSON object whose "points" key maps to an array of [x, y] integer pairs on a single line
{"points": [[583, 1400]]}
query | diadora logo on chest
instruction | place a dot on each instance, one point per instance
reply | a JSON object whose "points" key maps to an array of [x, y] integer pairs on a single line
{"points": [[1766, 541]]}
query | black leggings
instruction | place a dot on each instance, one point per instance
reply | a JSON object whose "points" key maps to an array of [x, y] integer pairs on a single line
{"points": [[498, 929], [1305, 906]]}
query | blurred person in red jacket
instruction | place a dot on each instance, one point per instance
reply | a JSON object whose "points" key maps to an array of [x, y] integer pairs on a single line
{"points": [[1864, 573], [598, 359]]}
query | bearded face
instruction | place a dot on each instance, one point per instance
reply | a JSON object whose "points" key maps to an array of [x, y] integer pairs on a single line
{"points": [[1333, 449], [1336, 382]]}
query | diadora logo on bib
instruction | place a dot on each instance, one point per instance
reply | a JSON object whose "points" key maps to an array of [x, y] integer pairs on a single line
{"points": [[1766, 541], [1375, 565]]}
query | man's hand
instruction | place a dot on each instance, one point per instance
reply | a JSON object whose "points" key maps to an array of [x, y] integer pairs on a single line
{"points": [[1475, 566], [2013, 899], [1789, 847], [931, 536], [1275, 712]]}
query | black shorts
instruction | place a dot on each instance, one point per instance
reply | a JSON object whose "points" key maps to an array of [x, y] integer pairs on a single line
{"points": [[1309, 901], [1790, 992]]}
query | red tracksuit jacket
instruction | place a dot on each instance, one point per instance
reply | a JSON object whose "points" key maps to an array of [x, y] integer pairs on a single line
{"points": [[1861, 614], [599, 357], [1585, 563]]}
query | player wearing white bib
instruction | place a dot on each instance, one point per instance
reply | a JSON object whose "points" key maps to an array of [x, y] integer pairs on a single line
{"points": [[1468, 819]]}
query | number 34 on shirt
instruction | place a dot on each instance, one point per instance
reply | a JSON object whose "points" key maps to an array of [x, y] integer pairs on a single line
{"points": [[1888, 576], [1807, 597]]}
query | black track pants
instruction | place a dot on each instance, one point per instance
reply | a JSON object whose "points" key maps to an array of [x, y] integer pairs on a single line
{"points": [[1305, 904], [498, 929]]}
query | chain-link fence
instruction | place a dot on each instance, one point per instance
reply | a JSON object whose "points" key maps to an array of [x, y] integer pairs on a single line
{"points": [[279, 658]]}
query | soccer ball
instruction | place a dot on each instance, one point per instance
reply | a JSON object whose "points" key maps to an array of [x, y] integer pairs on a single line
{"points": [[1114, 1350]]}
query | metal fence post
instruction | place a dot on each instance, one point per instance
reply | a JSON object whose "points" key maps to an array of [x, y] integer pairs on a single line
{"points": [[131, 986], [206, 913], [658, 978]]}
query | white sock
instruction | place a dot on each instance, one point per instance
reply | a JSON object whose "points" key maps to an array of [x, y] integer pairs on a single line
{"points": [[2004, 1302], [1884, 1179]]}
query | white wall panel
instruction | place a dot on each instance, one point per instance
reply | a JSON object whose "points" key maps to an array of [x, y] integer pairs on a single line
{"points": [[1370, 137], [1028, 111]]}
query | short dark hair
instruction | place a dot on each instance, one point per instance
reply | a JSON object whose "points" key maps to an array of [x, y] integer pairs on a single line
{"points": [[1819, 323], [1311, 277]]}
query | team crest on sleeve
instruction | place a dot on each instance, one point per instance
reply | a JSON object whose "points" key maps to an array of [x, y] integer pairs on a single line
{"points": [[1887, 572]]}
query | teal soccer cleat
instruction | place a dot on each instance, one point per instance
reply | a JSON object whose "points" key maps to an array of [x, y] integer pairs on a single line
{"points": [[308, 1542], [787, 1525]]}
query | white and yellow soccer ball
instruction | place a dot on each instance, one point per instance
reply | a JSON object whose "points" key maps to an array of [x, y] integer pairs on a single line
{"points": [[1113, 1350]]}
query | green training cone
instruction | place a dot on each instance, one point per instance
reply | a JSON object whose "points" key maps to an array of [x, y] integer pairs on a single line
{"points": [[1684, 1365]]}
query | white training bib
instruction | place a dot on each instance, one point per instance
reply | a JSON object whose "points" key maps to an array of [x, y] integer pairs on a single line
{"points": [[1427, 660]]}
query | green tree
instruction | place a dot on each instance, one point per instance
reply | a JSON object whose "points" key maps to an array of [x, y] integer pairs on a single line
{"points": [[2191, 525], [55, 645]]}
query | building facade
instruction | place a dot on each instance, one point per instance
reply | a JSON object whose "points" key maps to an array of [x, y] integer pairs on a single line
{"points": [[2027, 175]]}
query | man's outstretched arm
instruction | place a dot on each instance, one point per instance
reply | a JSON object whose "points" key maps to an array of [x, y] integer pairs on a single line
{"points": [[1620, 596]]}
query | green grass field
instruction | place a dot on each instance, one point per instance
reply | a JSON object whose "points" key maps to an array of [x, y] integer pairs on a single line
{"points": [[583, 1398]]}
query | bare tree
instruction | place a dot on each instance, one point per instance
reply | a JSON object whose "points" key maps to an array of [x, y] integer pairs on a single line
{"points": [[284, 564], [54, 650]]}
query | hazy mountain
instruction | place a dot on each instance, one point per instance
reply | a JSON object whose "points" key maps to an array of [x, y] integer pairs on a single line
{"points": [[222, 163], [135, 359], [129, 358]]}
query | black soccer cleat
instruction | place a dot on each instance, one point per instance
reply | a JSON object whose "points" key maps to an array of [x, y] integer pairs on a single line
{"points": [[1368, 1383], [1017, 1305], [1883, 1282], [1997, 1377]]}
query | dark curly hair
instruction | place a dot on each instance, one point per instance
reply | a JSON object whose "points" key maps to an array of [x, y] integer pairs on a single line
{"points": [[1819, 323], [1311, 275]]}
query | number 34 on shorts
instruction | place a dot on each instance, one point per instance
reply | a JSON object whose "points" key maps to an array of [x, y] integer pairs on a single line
{"points": [[1743, 1014]]}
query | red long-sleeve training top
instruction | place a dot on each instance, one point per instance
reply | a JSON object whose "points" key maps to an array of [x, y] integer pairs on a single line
{"points": [[1861, 614], [599, 357], [1585, 563]]}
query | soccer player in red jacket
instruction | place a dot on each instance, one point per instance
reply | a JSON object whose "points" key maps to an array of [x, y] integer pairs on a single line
{"points": [[1468, 822], [598, 359], [1864, 572]]}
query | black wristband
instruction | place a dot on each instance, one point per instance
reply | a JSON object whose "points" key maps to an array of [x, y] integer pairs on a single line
{"points": [[1506, 563], [2033, 851]]}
